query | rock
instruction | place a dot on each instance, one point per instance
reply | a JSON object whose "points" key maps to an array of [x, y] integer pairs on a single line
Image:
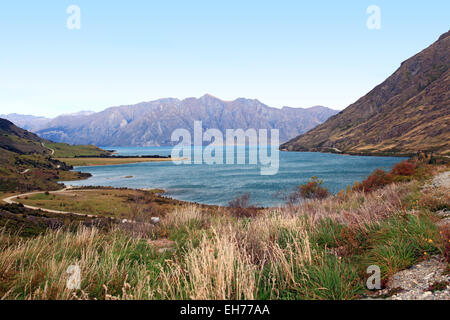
{"points": [[442, 180], [417, 281], [155, 220]]}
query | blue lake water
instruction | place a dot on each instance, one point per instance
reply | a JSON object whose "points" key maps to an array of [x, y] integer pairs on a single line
{"points": [[218, 184]]}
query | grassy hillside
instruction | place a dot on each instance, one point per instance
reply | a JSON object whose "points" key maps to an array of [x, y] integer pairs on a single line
{"points": [[64, 150], [20, 141], [27, 162]]}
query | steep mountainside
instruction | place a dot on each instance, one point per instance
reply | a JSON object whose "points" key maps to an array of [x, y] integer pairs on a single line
{"points": [[152, 123], [410, 111], [15, 139]]}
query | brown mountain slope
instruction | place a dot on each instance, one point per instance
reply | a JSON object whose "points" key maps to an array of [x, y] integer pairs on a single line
{"points": [[15, 139], [410, 111]]}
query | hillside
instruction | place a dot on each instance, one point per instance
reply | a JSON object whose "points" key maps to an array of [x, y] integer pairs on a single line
{"points": [[27, 163], [410, 111], [15, 139], [152, 123]]}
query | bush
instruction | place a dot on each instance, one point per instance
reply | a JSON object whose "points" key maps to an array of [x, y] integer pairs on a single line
{"points": [[376, 180], [404, 168], [313, 189], [240, 207]]}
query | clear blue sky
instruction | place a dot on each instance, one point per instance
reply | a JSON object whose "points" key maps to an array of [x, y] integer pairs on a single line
{"points": [[295, 53]]}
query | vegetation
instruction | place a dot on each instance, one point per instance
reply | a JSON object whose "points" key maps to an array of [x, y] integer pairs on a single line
{"points": [[27, 163], [22, 173], [402, 171], [76, 162], [313, 189], [64, 150], [106, 202], [316, 249]]}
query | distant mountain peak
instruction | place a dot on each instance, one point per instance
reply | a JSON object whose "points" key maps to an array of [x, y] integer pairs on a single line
{"points": [[209, 96], [79, 113], [152, 123]]}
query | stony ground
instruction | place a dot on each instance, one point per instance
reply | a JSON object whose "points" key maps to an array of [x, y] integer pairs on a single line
{"points": [[428, 280], [442, 180], [424, 281]]}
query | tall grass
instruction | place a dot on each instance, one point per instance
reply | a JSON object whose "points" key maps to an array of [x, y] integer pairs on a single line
{"points": [[36, 268], [216, 268], [318, 249]]}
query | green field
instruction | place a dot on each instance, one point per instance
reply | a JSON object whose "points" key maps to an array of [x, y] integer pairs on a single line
{"points": [[63, 150], [76, 162]]}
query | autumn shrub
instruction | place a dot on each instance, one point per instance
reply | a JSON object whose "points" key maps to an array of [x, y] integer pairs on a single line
{"points": [[240, 207], [312, 189], [377, 179], [404, 168]]}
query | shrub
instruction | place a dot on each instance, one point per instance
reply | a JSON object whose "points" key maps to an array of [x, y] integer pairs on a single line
{"points": [[240, 207], [376, 180], [404, 168], [313, 189]]}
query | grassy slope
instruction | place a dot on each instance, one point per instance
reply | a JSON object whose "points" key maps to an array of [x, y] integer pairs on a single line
{"points": [[63, 150], [319, 249], [22, 172], [26, 161], [107, 161]]}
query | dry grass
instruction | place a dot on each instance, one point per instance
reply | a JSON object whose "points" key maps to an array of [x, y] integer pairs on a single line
{"points": [[180, 217], [355, 208], [216, 268], [106, 202], [272, 255], [37, 268]]}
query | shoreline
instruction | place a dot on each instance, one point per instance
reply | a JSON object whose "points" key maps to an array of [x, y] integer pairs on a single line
{"points": [[113, 161], [360, 154], [143, 159]]}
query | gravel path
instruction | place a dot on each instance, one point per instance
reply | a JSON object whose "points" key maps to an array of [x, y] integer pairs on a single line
{"points": [[11, 200]]}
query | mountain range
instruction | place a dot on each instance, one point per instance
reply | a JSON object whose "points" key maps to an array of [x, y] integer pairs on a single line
{"points": [[408, 112], [152, 123]]}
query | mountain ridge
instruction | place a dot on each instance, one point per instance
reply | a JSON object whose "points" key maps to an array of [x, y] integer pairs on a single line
{"points": [[152, 123], [406, 113]]}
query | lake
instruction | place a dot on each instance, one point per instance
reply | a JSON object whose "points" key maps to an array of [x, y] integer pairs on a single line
{"points": [[218, 184]]}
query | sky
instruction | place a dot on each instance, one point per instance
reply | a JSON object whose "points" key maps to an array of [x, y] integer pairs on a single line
{"points": [[283, 53]]}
